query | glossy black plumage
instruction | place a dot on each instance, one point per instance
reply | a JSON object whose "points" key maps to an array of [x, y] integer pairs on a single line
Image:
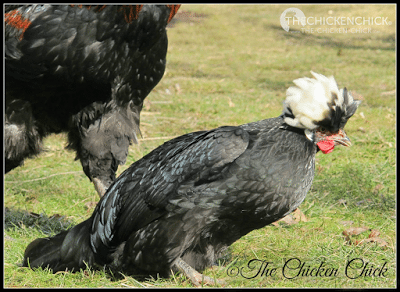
{"points": [[191, 198], [85, 70]]}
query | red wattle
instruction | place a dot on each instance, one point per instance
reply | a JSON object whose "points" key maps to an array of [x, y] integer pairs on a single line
{"points": [[326, 146]]}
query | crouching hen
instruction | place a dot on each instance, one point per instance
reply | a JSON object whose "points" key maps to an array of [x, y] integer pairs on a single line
{"points": [[85, 70], [182, 204]]}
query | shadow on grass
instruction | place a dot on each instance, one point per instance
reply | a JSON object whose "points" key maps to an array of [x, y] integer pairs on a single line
{"points": [[47, 224]]}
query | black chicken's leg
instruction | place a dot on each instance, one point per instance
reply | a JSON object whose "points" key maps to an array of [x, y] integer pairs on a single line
{"points": [[195, 277], [99, 187]]}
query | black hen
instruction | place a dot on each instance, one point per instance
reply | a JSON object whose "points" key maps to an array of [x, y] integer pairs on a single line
{"points": [[85, 70], [186, 201]]}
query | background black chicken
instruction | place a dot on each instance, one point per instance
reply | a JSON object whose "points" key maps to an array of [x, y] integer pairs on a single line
{"points": [[182, 204], [85, 70]]}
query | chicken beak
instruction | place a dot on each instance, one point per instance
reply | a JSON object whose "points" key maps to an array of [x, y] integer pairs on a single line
{"points": [[341, 138]]}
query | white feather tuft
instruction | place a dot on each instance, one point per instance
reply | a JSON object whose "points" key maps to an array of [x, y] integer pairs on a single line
{"points": [[310, 101]]}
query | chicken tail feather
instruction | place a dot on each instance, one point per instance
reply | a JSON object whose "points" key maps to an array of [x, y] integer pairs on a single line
{"points": [[69, 250]]}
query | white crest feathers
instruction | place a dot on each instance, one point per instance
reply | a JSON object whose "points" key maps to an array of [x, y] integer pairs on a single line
{"points": [[311, 101]]}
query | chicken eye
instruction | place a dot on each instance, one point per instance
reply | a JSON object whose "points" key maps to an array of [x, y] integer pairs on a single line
{"points": [[322, 129]]}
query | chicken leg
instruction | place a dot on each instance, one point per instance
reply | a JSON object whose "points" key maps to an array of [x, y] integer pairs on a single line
{"points": [[195, 277], [99, 186]]}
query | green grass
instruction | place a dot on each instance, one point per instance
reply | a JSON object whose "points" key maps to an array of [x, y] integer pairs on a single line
{"points": [[229, 65]]}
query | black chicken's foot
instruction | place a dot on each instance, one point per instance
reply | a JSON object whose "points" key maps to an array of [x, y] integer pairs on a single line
{"points": [[195, 277], [99, 186]]}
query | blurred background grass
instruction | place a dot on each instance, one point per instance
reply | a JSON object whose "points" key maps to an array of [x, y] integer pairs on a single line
{"points": [[229, 65]]}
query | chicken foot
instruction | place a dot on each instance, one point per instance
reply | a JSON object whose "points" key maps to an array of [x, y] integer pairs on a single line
{"points": [[194, 276]]}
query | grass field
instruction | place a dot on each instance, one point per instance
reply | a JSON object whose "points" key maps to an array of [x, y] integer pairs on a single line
{"points": [[229, 65]]}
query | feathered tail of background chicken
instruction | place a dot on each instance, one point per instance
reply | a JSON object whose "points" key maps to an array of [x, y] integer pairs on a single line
{"points": [[85, 70], [68, 250]]}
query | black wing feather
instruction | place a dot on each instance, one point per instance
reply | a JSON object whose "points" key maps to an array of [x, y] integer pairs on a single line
{"points": [[135, 200]]}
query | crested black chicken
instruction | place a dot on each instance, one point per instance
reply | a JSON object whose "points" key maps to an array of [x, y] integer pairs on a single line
{"points": [[185, 202], [84, 70]]}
